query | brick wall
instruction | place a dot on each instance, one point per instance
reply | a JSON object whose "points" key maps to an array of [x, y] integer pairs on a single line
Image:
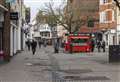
{"points": [[108, 9], [86, 8]]}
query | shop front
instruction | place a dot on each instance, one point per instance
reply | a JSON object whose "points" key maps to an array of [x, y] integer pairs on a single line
{"points": [[1, 33], [1, 28]]}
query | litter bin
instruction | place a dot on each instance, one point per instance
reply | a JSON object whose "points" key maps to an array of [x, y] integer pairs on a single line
{"points": [[114, 53]]}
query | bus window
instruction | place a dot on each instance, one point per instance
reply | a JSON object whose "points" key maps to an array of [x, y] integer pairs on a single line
{"points": [[79, 40]]}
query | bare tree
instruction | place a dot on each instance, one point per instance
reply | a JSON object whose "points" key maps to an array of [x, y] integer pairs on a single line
{"points": [[59, 15], [117, 3], [65, 15]]}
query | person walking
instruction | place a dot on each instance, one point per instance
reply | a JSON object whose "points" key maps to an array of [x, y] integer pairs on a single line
{"points": [[34, 45], [92, 45], [56, 45], [99, 46], [103, 45], [44, 43], [28, 43], [40, 43]]}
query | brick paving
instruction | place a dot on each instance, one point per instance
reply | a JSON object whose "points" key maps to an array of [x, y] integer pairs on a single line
{"points": [[88, 67], [45, 66], [25, 67]]}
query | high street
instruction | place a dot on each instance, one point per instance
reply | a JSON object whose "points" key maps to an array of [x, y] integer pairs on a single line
{"points": [[45, 66]]}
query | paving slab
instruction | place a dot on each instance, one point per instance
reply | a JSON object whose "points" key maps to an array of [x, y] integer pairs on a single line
{"points": [[22, 68]]}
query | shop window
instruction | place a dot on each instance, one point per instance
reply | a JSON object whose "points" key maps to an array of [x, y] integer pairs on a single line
{"points": [[1, 35], [103, 2], [1, 38]]}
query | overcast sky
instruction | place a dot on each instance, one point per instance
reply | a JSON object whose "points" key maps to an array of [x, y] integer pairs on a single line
{"points": [[35, 5]]}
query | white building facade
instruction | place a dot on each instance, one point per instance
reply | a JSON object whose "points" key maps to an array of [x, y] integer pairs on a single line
{"points": [[45, 31], [118, 24], [107, 21], [16, 27]]}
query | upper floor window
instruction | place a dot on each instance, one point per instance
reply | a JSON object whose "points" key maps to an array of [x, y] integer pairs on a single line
{"points": [[103, 2], [107, 16], [103, 17]]}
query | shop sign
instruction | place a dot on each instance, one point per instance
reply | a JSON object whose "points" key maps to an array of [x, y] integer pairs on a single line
{"points": [[14, 15]]}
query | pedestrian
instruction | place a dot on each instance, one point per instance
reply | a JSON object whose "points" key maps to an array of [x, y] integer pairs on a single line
{"points": [[56, 45], [103, 45], [92, 45], [44, 43], [99, 46], [39, 43], [28, 43], [34, 45]]}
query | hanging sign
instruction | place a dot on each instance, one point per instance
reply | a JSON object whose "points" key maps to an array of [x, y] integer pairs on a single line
{"points": [[14, 15]]}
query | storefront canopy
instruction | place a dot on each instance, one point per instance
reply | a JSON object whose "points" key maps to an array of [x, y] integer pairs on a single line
{"points": [[2, 8], [36, 34]]}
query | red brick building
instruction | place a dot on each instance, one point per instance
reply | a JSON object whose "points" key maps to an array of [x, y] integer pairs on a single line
{"points": [[107, 15], [108, 22], [87, 9]]}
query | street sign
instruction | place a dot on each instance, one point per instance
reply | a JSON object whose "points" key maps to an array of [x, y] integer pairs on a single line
{"points": [[14, 15], [10, 1]]}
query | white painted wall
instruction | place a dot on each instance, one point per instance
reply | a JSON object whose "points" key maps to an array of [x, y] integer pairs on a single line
{"points": [[19, 34], [19, 25], [16, 30], [13, 39], [118, 25]]}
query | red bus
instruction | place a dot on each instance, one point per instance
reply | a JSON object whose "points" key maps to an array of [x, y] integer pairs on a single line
{"points": [[78, 43]]}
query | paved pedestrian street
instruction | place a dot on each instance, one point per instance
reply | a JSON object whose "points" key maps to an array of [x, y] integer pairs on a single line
{"points": [[45, 66]]}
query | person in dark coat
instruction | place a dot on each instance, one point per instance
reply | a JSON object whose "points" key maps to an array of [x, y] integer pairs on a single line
{"points": [[103, 45], [34, 45], [99, 46], [92, 45], [28, 43], [56, 45], [45, 43], [40, 43]]}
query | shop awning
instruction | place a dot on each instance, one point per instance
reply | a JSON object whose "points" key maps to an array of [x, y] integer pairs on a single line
{"points": [[37, 34], [3, 8]]}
